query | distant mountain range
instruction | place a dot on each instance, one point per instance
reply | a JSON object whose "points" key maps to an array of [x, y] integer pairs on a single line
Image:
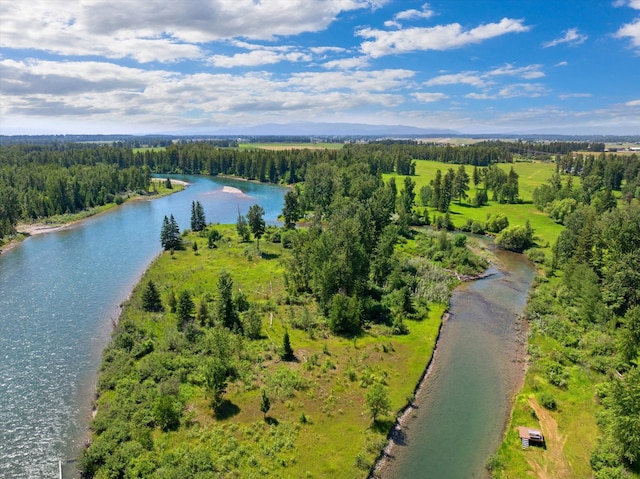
{"points": [[317, 129]]}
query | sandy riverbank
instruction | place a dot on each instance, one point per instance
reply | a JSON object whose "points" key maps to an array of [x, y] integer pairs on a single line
{"points": [[232, 190], [34, 229]]}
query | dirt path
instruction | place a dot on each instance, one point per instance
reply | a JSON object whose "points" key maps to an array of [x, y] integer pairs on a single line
{"points": [[553, 464]]}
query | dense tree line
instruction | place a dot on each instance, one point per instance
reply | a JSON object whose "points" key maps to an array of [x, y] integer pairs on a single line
{"points": [[552, 147], [600, 176], [481, 154], [33, 191], [55, 178], [590, 316]]}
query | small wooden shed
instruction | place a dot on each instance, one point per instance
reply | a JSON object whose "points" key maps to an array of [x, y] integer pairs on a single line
{"points": [[530, 436]]}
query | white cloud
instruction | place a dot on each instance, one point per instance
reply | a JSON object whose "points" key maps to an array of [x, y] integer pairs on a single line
{"points": [[412, 14], [465, 78], [571, 37], [426, 97], [109, 93], [441, 37], [323, 50], [628, 3], [347, 63], [256, 58], [631, 30], [633, 103], [529, 72], [159, 30], [561, 64], [530, 90], [487, 79], [370, 81]]}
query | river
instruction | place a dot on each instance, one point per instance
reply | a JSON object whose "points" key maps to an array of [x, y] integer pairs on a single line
{"points": [[60, 293], [462, 409]]}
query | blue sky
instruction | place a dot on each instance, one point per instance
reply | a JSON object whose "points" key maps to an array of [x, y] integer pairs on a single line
{"points": [[483, 66]]}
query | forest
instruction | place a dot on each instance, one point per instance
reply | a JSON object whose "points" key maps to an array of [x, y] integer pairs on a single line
{"points": [[348, 296], [360, 264], [41, 180]]}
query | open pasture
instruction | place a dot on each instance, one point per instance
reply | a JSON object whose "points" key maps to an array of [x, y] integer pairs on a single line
{"points": [[531, 175]]}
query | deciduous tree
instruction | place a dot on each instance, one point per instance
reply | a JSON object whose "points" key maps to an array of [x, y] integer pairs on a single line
{"points": [[255, 216], [377, 401]]}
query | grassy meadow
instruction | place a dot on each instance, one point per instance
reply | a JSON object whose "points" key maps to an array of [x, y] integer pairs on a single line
{"points": [[532, 175], [318, 424]]}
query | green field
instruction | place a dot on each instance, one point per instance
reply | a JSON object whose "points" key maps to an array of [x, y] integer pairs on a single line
{"points": [[148, 148], [532, 175]]}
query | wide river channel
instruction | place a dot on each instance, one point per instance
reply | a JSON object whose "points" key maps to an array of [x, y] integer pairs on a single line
{"points": [[60, 293]]}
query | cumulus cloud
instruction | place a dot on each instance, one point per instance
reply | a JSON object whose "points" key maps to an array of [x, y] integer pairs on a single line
{"points": [[571, 37], [441, 37], [633, 103], [108, 92], [632, 31], [256, 58], [627, 3], [160, 30]]}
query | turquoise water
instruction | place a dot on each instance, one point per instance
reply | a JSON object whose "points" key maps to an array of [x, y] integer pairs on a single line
{"points": [[461, 413], [59, 294]]}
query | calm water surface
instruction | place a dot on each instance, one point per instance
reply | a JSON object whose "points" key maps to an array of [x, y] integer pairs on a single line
{"points": [[59, 293], [463, 409]]}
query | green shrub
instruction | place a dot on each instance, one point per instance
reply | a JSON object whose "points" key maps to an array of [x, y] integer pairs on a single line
{"points": [[494, 463], [548, 401]]}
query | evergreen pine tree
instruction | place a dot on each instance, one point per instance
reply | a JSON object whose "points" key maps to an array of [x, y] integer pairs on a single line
{"points": [[185, 309], [175, 242], [151, 298], [226, 312], [202, 315], [198, 220], [287, 351], [164, 233], [265, 404]]}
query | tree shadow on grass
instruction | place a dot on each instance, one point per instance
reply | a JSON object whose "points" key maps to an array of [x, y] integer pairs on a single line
{"points": [[227, 410], [269, 255], [271, 421], [382, 426]]}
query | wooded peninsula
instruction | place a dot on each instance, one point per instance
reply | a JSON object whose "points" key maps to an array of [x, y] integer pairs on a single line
{"points": [[250, 350]]}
